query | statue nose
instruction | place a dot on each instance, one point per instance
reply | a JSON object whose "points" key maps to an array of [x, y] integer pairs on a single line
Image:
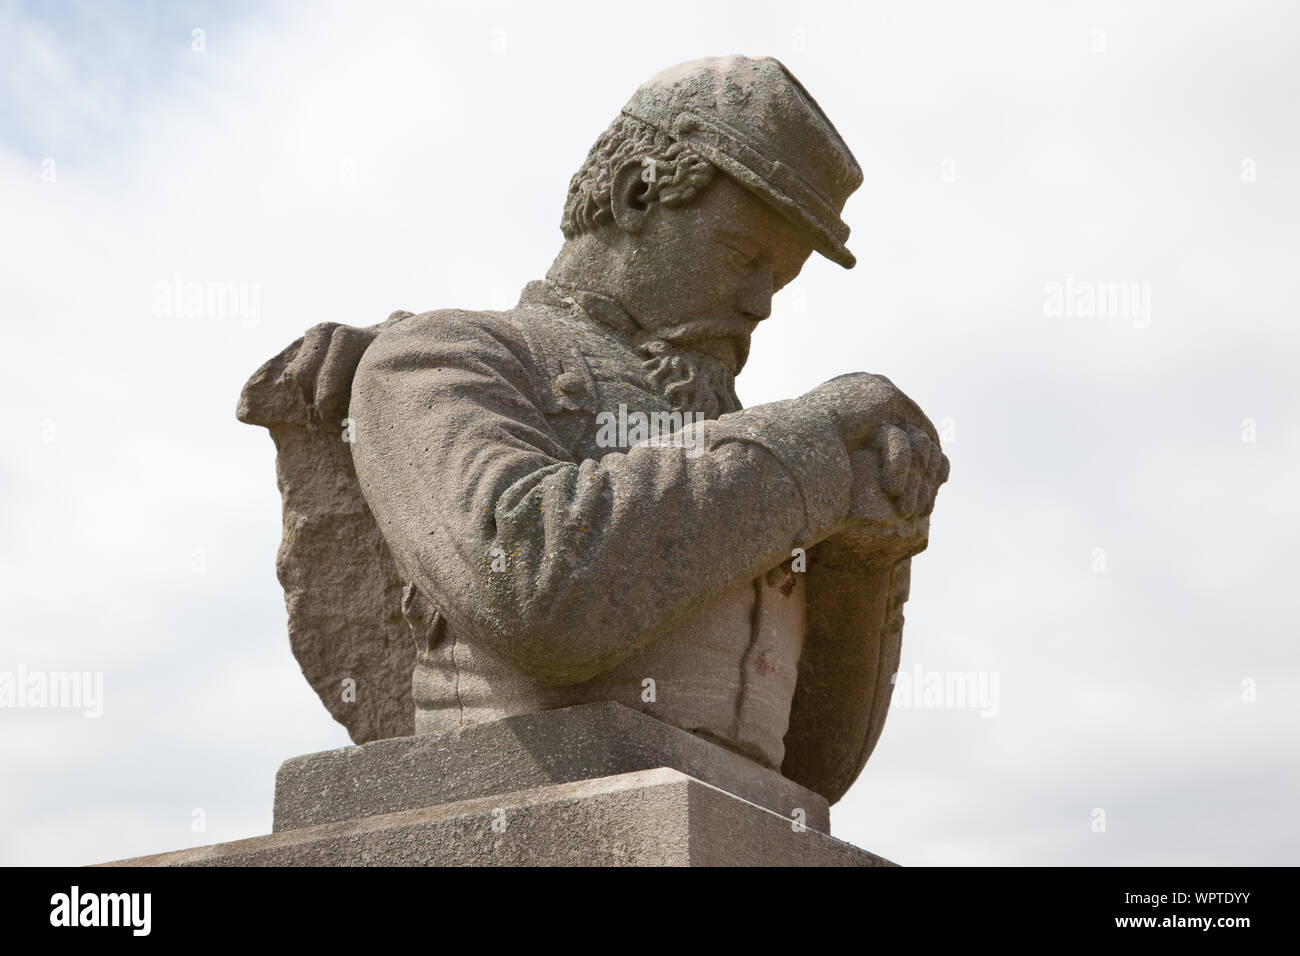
{"points": [[755, 302]]}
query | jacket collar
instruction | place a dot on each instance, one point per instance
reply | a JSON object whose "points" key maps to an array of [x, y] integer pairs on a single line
{"points": [[601, 308], [689, 380]]}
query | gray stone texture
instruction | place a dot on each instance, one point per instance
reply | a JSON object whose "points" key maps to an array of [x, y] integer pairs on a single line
{"points": [[519, 753], [338, 575], [649, 818], [742, 578]]}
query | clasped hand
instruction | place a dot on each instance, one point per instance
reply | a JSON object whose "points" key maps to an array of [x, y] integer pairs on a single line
{"points": [[897, 465]]}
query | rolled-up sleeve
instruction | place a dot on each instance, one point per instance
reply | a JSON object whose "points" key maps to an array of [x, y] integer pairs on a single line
{"points": [[568, 567]]}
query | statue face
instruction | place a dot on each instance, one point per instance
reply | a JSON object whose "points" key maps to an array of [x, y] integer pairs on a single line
{"points": [[702, 275]]}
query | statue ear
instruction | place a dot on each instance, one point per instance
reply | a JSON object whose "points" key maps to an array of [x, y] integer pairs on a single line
{"points": [[631, 196]]}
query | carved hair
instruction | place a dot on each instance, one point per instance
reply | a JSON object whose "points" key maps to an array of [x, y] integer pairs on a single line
{"points": [[680, 174]]}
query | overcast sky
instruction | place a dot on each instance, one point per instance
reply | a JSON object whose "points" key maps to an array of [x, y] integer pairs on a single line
{"points": [[1116, 544]]}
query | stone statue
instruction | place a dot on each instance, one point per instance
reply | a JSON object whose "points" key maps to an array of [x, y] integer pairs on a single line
{"points": [[498, 513]]}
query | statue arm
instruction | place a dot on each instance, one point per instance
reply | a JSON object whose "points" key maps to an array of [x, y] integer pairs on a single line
{"points": [[593, 558]]}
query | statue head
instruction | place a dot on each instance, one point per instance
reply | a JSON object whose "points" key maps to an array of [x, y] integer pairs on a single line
{"points": [[705, 197]]}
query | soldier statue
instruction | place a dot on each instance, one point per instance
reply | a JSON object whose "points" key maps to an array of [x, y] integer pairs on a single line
{"points": [[498, 513]]}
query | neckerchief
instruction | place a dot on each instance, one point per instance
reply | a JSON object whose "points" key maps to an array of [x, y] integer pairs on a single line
{"points": [[688, 381]]}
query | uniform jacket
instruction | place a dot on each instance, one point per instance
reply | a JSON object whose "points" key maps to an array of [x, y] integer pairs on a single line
{"points": [[546, 568]]}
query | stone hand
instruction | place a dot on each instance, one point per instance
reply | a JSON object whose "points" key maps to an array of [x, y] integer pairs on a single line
{"points": [[861, 403], [324, 365], [912, 468], [895, 480]]}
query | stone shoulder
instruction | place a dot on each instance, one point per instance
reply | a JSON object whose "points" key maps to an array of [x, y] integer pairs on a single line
{"points": [[506, 341]]}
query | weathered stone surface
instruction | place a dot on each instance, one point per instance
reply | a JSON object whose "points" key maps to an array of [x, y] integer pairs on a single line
{"points": [[518, 753], [649, 818], [556, 535], [338, 576]]}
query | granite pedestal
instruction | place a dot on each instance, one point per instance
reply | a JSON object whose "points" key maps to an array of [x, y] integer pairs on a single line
{"points": [[594, 785]]}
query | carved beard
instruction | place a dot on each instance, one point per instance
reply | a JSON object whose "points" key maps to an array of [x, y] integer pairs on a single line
{"points": [[690, 381]]}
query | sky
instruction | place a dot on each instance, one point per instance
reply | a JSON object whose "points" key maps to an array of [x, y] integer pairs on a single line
{"points": [[1112, 560]]}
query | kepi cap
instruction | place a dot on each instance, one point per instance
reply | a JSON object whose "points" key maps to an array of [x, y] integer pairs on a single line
{"points": [[753, 120]]}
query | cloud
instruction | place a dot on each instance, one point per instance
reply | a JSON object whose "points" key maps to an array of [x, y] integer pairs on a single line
{"points": [[350, 161]]}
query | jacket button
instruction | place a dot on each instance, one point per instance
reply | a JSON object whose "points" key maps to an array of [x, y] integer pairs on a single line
{"points": [[570, 383]]}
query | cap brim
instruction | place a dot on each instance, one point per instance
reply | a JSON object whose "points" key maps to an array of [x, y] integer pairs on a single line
{"points": [[824, 241], [796, 202]]}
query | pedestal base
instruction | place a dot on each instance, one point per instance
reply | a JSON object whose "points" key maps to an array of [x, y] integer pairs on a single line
{"points": [[656, 817], [595, 785], [518, 753]]}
